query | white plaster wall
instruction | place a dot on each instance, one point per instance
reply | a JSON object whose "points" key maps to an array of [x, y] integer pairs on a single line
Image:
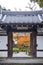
{"points": [[3, 46], [40, 46]]}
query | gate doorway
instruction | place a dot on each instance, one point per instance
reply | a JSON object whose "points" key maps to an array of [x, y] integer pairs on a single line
{"points": [[21, 44], [24, 42], [22, 38]]}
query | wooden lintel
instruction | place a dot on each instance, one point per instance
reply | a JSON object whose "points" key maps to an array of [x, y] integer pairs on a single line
{"points": [[3, 34]]}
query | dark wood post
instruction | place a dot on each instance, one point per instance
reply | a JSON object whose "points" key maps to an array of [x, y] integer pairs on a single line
{"points": [[33, 43], [10, 44]]}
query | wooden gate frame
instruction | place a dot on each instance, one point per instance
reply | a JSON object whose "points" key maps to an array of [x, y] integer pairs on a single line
{"points": [[14, 28]]}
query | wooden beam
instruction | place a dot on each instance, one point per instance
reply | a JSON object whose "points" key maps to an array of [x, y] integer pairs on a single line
{"points": [[33, 43], [40, 34], [3, 34], [10, 44], [3, 50], [40, 50]]}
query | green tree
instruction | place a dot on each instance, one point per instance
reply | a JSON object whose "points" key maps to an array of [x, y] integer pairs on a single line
{"points": [[0, 7], [4, 8], [40, 2]]}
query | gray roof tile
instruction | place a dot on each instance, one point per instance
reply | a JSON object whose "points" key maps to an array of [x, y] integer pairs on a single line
{"points": [[22, 17]]}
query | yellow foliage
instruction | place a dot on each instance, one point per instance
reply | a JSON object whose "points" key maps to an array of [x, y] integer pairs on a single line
{"points": [[24, 40]]}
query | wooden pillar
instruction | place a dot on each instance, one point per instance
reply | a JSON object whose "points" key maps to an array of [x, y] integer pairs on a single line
{"points": [[33, 43], [10, 44]]}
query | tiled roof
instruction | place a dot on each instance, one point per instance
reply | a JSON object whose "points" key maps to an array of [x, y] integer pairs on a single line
{"points": [[21, 17]]}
